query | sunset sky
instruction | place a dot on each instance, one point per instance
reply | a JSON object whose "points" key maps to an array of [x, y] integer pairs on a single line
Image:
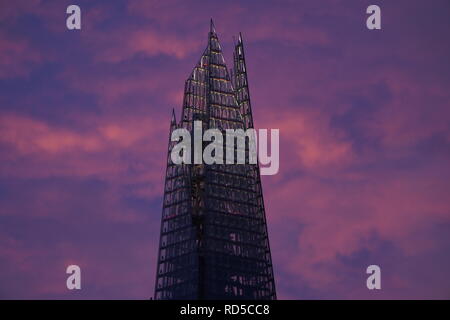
{"points": [[364, 119]]}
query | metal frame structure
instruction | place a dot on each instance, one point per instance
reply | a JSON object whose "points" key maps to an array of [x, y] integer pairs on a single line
{"points": [[214, 242]]}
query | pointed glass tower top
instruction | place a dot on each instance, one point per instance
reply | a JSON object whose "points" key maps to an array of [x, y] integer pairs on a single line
{"points": [[209, 94], [214, 242]]}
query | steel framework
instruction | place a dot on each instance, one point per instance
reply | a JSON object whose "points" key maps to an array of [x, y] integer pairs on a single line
{"points": [[214, 242]]}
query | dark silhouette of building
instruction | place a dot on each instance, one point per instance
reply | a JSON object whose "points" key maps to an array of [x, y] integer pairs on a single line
{"points": [[214, 242]]}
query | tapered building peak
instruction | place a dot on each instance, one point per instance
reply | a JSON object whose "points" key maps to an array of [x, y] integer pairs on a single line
{"points": [[214, 242], [209, 92], [212, 28]]}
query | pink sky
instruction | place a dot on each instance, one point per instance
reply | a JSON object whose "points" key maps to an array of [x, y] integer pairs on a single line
{"points": [[364, 125]]}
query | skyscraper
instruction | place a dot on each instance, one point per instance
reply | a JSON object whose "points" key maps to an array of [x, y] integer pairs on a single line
{"points": [[214, 242]]}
